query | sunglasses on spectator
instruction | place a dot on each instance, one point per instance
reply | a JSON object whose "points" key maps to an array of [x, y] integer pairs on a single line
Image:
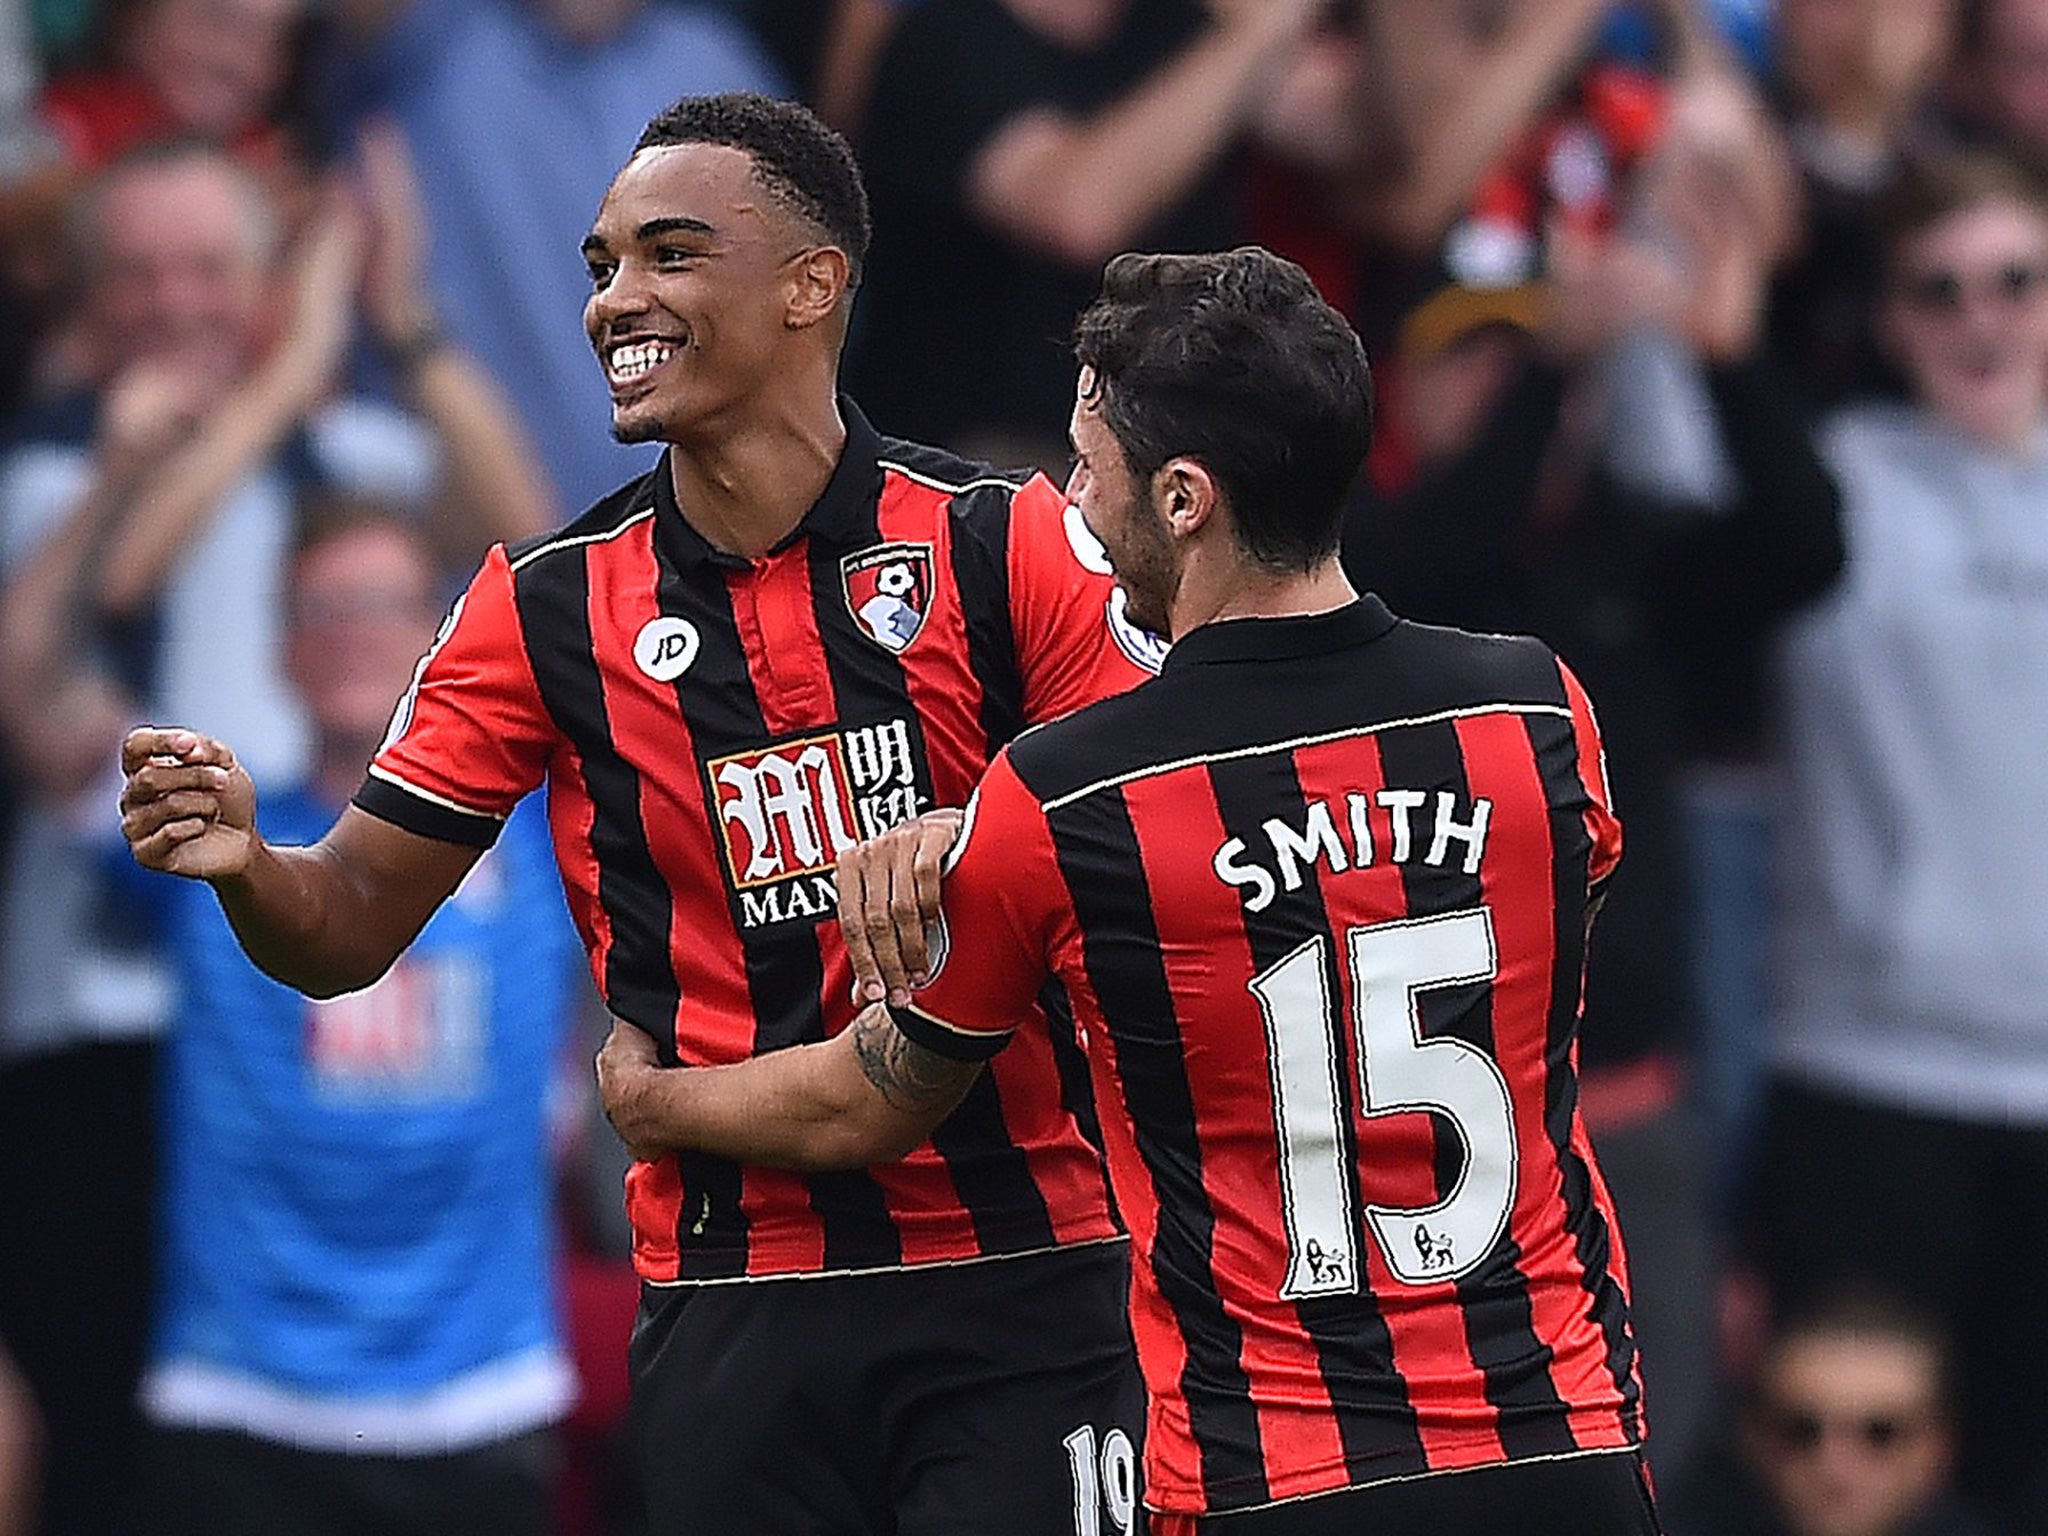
{"points": [[1801, 1431], [1947, 292]]}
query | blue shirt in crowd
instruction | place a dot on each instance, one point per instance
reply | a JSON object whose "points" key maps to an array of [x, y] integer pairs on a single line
{"points": [[358, 1217]]}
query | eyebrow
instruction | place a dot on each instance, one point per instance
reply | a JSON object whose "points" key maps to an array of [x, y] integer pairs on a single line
{"points": [[653, 229]]}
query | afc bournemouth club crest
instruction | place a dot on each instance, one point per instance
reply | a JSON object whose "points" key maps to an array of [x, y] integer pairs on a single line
{"points": [[889, 589]]}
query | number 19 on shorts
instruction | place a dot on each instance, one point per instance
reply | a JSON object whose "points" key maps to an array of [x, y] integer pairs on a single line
{"points": [[1105, 1479]]}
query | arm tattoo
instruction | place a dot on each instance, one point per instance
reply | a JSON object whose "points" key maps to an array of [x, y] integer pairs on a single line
{"points": [[910, 1078]]}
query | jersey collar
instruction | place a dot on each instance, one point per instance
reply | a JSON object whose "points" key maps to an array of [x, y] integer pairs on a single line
{"points": [[843, 517], [1313, 634]]}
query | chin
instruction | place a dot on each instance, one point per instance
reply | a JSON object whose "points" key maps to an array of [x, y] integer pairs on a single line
{"points": [[642, 429]]}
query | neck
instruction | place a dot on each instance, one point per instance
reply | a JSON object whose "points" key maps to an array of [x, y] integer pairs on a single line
{"points": [[746, 488], [1233, 588]]}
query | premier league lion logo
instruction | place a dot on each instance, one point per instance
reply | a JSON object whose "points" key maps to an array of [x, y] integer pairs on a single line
{"points": [[889, 590]]}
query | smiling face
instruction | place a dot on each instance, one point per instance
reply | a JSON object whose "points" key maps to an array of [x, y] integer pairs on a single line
{"points": [[1967, 315], [178, 268], [696, 289], [1848, 1433], [1121, 514]]}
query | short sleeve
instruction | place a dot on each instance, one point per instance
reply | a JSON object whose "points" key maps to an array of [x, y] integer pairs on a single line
{"points": [[471, 736], [1074, 643], [997, 914], [1602, 825]]}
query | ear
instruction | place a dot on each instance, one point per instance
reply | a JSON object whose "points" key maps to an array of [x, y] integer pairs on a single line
{"points": [[1186, 496], [817, 286]]}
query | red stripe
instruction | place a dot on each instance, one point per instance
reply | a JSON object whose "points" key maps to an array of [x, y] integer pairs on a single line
{"points": [[772, 603], [943, 687], [1432, 1355], [571, 813], [648, 727], [1518, 878], [1209, 969], [1601, 826], [1582, 1144], [1171, 1459], [948, 699]]}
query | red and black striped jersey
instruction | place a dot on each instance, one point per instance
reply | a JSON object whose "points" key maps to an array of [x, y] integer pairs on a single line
{"points": [[1319, 896], [715, 732]]}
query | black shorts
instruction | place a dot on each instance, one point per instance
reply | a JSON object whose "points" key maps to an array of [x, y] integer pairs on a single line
{"points": [[220, 1483], [951, 1400], [1575, 1496]]}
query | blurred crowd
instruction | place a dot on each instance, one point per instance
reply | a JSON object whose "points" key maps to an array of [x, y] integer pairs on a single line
{"points": [[1711, 344]]}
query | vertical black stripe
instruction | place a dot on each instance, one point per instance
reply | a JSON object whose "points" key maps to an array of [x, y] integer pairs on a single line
{"points": [[1374, 1418], [1554, 745], [1105, 876], [553, 598], [785, 973], [640, 984], [1494, 1298], [981, 574], [990, 1172]]}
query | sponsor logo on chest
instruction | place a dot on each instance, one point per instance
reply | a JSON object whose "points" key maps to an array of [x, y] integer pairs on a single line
{"points": [[786, 812]]}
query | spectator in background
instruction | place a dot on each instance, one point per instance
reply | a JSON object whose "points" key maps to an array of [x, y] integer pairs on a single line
{"points": [[357, 1331], [144, 527], [1905, 1138], [25, 155], [2003, 81], [1459, 87], [1845, 1428], [1514, 523], [517, 113], [1014, 146], [1856, 85], [207, 69]]}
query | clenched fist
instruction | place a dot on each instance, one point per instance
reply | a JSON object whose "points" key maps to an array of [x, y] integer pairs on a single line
{"points": [[188, 808]]}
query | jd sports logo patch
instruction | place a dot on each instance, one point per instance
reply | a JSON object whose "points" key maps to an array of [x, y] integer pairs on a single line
{"points": [[665, 648], [889, 591]]}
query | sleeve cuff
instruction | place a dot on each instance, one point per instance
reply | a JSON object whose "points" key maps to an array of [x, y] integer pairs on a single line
{"points": [[388, 800], [942, 1039]]}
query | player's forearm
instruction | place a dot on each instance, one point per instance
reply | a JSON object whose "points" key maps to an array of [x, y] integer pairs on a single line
{"points": [[305, 921], [1468, 122], [791, 1109], [1113, 175]]}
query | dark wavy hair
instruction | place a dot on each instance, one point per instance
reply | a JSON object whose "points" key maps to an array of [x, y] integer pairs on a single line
{"points": [[804, 163], [1232, 358]]}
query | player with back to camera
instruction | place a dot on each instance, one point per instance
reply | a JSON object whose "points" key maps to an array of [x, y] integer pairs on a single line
{"points": [[1319, 896], [700, 670]]}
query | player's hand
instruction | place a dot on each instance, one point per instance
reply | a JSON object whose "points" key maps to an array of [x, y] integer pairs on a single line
{"points": [[625, 1065], [888, 898], [187, 808]]}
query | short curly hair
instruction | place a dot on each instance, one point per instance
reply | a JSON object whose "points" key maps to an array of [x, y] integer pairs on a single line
{"points": [[1233, 358], [802, 161]]}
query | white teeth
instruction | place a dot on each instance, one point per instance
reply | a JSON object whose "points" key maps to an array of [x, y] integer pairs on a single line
{"points": [[631, 361]]}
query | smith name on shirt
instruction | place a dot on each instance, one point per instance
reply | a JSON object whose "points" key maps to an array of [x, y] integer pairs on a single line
{"points": [[1341, 834]]}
